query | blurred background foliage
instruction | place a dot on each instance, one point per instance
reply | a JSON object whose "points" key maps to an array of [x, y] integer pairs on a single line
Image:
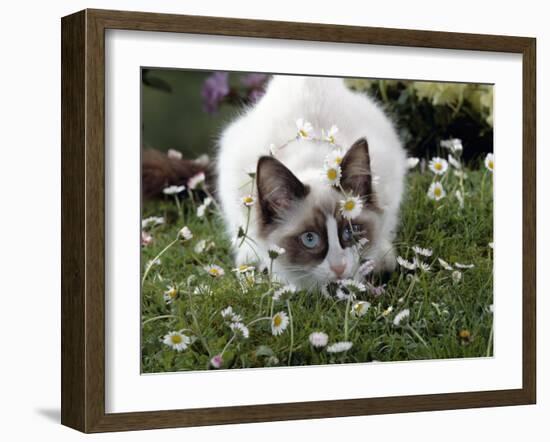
{"points": [[186, 110]]}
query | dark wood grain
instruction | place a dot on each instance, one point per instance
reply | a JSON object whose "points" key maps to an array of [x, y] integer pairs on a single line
{"points": [[83, 219]]}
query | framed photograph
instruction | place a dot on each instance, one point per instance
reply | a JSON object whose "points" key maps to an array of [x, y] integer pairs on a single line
{"points": [[268, 221]]}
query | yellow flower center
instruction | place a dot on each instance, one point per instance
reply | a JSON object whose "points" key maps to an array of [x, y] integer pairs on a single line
{"points": [[438, 166], [248, 200], [303, 133], [338, 160], [349, 205], [243, 268], [176, 339], [491, 165], [214, 272], [277, 321], [332, 174], [172, 293], [464, 334], [437, 191]]}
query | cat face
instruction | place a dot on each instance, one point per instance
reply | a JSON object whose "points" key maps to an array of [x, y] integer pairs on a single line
{"points": [[307, 221]]}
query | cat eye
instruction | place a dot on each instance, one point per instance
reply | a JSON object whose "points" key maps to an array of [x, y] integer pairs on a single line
{"points": [[349, 231], [310, 239]]}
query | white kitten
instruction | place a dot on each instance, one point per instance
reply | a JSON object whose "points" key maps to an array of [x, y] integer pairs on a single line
{"points": [[295, 209]]}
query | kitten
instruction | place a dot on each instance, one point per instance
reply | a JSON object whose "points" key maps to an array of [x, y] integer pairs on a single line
{"points": [[294, 208]]}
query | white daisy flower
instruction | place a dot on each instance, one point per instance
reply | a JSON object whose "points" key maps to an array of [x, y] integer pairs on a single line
{"points": [[243, 269], [492, 245], [195, 180], [155, 262], [146, 239], [214, 270], [174, 154], [402, 315], [334, 158], [329, 135], [457, 276], [454, 162], [412, 162], [284, 292], [332, 175], [351, 207], [421, 251], [152, 220], [275, 251], [438, 165], [227, 312], [464, 266], [490, 162], [453, 144], [339, 347], [318, 339], [216, 361], [202, 289], [176, 340], [248, 200], [445, 264], [272, 149], [170, 294], [406, 264], [185, 233], [436, 191], [201, 210], [425, 267], [460, 174], [173, 190], [360, 308], [388, 311], [200, 246], [460, 198], [279, 322], [240, 329], [305, 129], [366, 268]]}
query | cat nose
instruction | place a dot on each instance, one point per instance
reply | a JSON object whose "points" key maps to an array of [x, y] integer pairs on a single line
{"points": [[338, 269]]}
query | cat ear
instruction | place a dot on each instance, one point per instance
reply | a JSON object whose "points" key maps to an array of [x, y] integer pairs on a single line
{"points": [[278, 188], [356, 172]]}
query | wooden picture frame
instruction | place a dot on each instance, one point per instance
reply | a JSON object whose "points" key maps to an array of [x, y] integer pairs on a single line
{"points": [[83, 220]]}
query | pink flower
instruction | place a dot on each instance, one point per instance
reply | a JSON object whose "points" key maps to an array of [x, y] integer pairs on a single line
{"points": [[216, 361]]}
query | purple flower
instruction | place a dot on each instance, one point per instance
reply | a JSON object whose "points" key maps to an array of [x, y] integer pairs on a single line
{"points": [[214, 90], [217, 361], [255, 81], [377, 291]]}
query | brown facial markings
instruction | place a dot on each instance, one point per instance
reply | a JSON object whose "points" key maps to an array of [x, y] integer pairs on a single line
{"points": [[362, 227], [296, 252]]}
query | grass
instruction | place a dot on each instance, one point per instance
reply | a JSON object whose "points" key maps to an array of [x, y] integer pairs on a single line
{"points": [[448, 319]]}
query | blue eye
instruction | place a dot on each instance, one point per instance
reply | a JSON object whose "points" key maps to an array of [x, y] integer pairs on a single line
{"points": [[310, 239]]}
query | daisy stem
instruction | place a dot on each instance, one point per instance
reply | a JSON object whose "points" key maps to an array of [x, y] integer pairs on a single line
{"points": [[483, 186], [159, 317], [152, 262], [291, 332], [346, 318], [246, 228], [414, 332], [178, 205]]}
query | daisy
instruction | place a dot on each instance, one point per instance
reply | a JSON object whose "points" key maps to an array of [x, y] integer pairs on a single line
{"points": [[436, 191], [457, 276], [170, 294], [227, 312], [202, 208], [334, 158], [240, 329], [153, 262], [176, 340], [154, 220], [490, 162], [284, 293], [214, 270], [445, 264], [387, 311], [460, 174], [454, 162], [216, 361], [406, 264], [146, 239], [243, 269], [173, 190], [438, 165], [305, 129], [425, 267], [464, 266], [195, 180], [403, 314], [248, 200], [200, 246], [453, 144], [351, 207], [185, 233], [279, 322], [339, 347], [366, 268], [275, 251], [202, 289], [412, 162], [318, 339], [332, 175], [174, 154], [329, 135], [272, 149], [492, 245], [420, 251], [360, 308]]}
